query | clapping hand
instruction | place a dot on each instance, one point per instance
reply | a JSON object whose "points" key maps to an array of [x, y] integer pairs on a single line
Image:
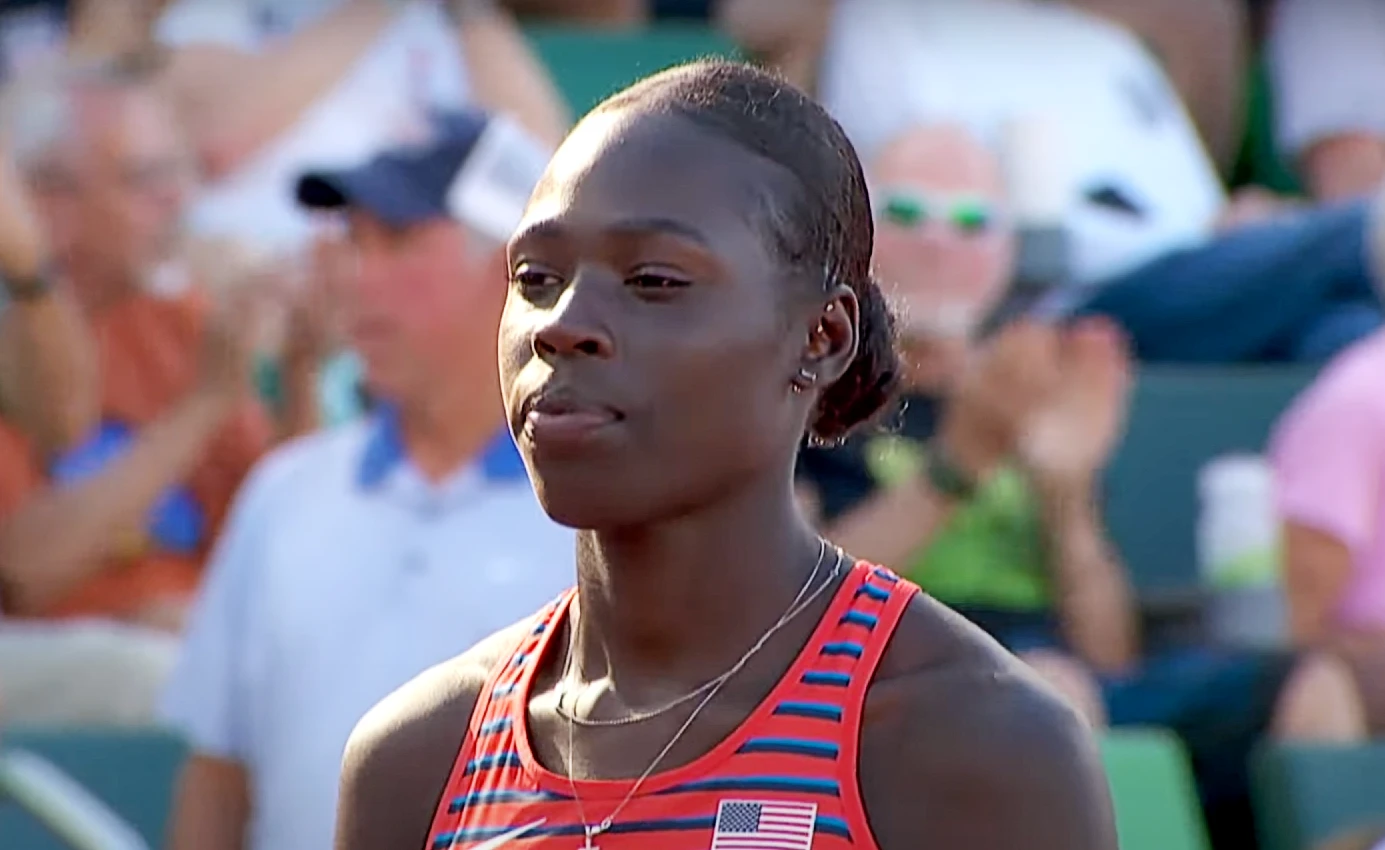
{"points": [[1052, 399]]}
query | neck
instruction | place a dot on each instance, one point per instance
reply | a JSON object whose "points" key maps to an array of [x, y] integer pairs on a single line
{"points": [[683, 599], [449, 423]]}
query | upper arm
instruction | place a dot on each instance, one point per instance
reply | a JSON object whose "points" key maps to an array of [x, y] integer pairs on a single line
{"points": [[1317, 567], [984, 757], [401, 753], [212, 805]]}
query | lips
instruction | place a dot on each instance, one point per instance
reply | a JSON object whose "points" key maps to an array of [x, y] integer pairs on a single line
{"points": [[563, 419]]}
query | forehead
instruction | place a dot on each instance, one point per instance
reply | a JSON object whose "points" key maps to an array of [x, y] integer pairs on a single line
{"points": [[118, 123], [632, 166], [943, 159]]}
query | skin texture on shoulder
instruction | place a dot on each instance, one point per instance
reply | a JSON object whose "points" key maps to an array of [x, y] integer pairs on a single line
{"points": [[961, 746], [400, 754]]}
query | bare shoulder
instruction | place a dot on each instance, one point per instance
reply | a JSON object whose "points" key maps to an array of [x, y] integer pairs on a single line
{"points": [[961, 746], [401, 752]]}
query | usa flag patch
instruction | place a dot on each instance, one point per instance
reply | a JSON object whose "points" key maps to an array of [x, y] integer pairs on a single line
{"points": [[764, 825]]}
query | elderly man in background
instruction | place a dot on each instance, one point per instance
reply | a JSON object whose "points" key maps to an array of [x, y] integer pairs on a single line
{"points": [[107, 512], [358, 557]]}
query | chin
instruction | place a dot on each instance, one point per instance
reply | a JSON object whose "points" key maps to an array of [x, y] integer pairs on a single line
{"points": [[606, 499], [587, 508]]}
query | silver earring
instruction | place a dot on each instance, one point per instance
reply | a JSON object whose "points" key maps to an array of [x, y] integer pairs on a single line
{"points": [[803, 380]]}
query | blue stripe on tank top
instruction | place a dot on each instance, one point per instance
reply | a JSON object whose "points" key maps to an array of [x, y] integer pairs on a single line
{"points": [[879, 594], [504, 689], [493, 761], [835, 680], [787, 784], [824, 825], [500, 724], [519, 659], [481, 833], [832, 826], [539, 629], [844, 647], [816, 710], [790, 746], [858, 618], [501, 796], [884, 576]]}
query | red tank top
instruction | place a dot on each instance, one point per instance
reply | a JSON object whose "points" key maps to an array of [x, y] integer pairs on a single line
{"points": [[785, 779]]}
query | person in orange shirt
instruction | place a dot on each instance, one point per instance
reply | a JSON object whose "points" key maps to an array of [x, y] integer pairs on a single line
{"points": [[117, 524]]}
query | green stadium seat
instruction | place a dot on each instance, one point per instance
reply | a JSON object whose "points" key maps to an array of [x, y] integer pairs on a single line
{"points": [[1152, 791], [588, 65], [133, 772], [1179, 419], [1305, 794]]}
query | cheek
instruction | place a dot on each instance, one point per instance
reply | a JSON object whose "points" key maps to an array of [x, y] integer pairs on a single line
{"points": [[729, 390], [513, 340]]}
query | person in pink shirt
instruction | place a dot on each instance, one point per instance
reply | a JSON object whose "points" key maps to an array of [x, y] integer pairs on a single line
{"points": [[1329, 457]]}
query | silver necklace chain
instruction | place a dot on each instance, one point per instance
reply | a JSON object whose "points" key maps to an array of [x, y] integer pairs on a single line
{"points": [[565, 681], [590, 830]]}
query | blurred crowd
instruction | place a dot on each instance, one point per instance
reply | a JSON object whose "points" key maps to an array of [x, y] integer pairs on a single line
{"points": [[254, 473]]}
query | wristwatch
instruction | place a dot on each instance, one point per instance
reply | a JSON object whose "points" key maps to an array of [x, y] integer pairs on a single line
{"points": [[945, 476], [28, 288]]}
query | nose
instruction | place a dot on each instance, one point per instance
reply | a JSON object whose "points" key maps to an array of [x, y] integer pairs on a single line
{"points": [[571, 330]]}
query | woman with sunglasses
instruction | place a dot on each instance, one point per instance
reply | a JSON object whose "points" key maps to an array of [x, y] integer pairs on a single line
{"points": [[690, 293]]}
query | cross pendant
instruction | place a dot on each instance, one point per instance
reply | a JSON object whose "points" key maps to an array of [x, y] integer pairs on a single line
{"points": [[591, 832]]}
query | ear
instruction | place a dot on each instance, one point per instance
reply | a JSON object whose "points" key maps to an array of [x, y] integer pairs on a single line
{"points": [[832, 338]]}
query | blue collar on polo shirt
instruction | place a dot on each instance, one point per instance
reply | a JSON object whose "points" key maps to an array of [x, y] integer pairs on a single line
{"points": [[499, 462]]}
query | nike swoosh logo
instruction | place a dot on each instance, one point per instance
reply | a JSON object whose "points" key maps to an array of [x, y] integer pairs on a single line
{"points": [[506, 837]]}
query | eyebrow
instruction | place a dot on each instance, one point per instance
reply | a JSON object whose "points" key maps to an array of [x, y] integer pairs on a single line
{"points": [[645, 226]]}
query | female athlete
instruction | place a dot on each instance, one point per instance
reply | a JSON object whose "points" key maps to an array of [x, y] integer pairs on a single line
{"points": [[690, 292]]}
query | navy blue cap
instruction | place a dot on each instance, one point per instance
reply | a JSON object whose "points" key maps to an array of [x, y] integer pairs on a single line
{"points": [[404, 185]]}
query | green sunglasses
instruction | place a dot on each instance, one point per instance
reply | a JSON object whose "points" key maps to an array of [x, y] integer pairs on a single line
{"points": [[968, 215]]}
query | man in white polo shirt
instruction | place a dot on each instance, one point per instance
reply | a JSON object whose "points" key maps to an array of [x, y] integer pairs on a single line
{"points": [[356, 558]]}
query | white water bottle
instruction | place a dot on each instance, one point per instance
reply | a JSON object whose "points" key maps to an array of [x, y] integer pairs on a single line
{"points": [[1238, 530], [1239, 550]]}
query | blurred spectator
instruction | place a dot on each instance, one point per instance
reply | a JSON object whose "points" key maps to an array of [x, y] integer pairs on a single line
{"points": [[1191, 276], [359, 557], [270, 88], [987, 494], [1143, 182], [117, 525], [1329, 457], [1202, 45], [1327, 63], [44, 343], [34, 32]]}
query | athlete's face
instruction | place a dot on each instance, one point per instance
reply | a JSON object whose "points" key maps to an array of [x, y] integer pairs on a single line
{"points": [[645, 348]]}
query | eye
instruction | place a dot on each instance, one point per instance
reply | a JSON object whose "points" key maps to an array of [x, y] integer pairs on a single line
{"points": [[531, 279], [657, 281]]}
